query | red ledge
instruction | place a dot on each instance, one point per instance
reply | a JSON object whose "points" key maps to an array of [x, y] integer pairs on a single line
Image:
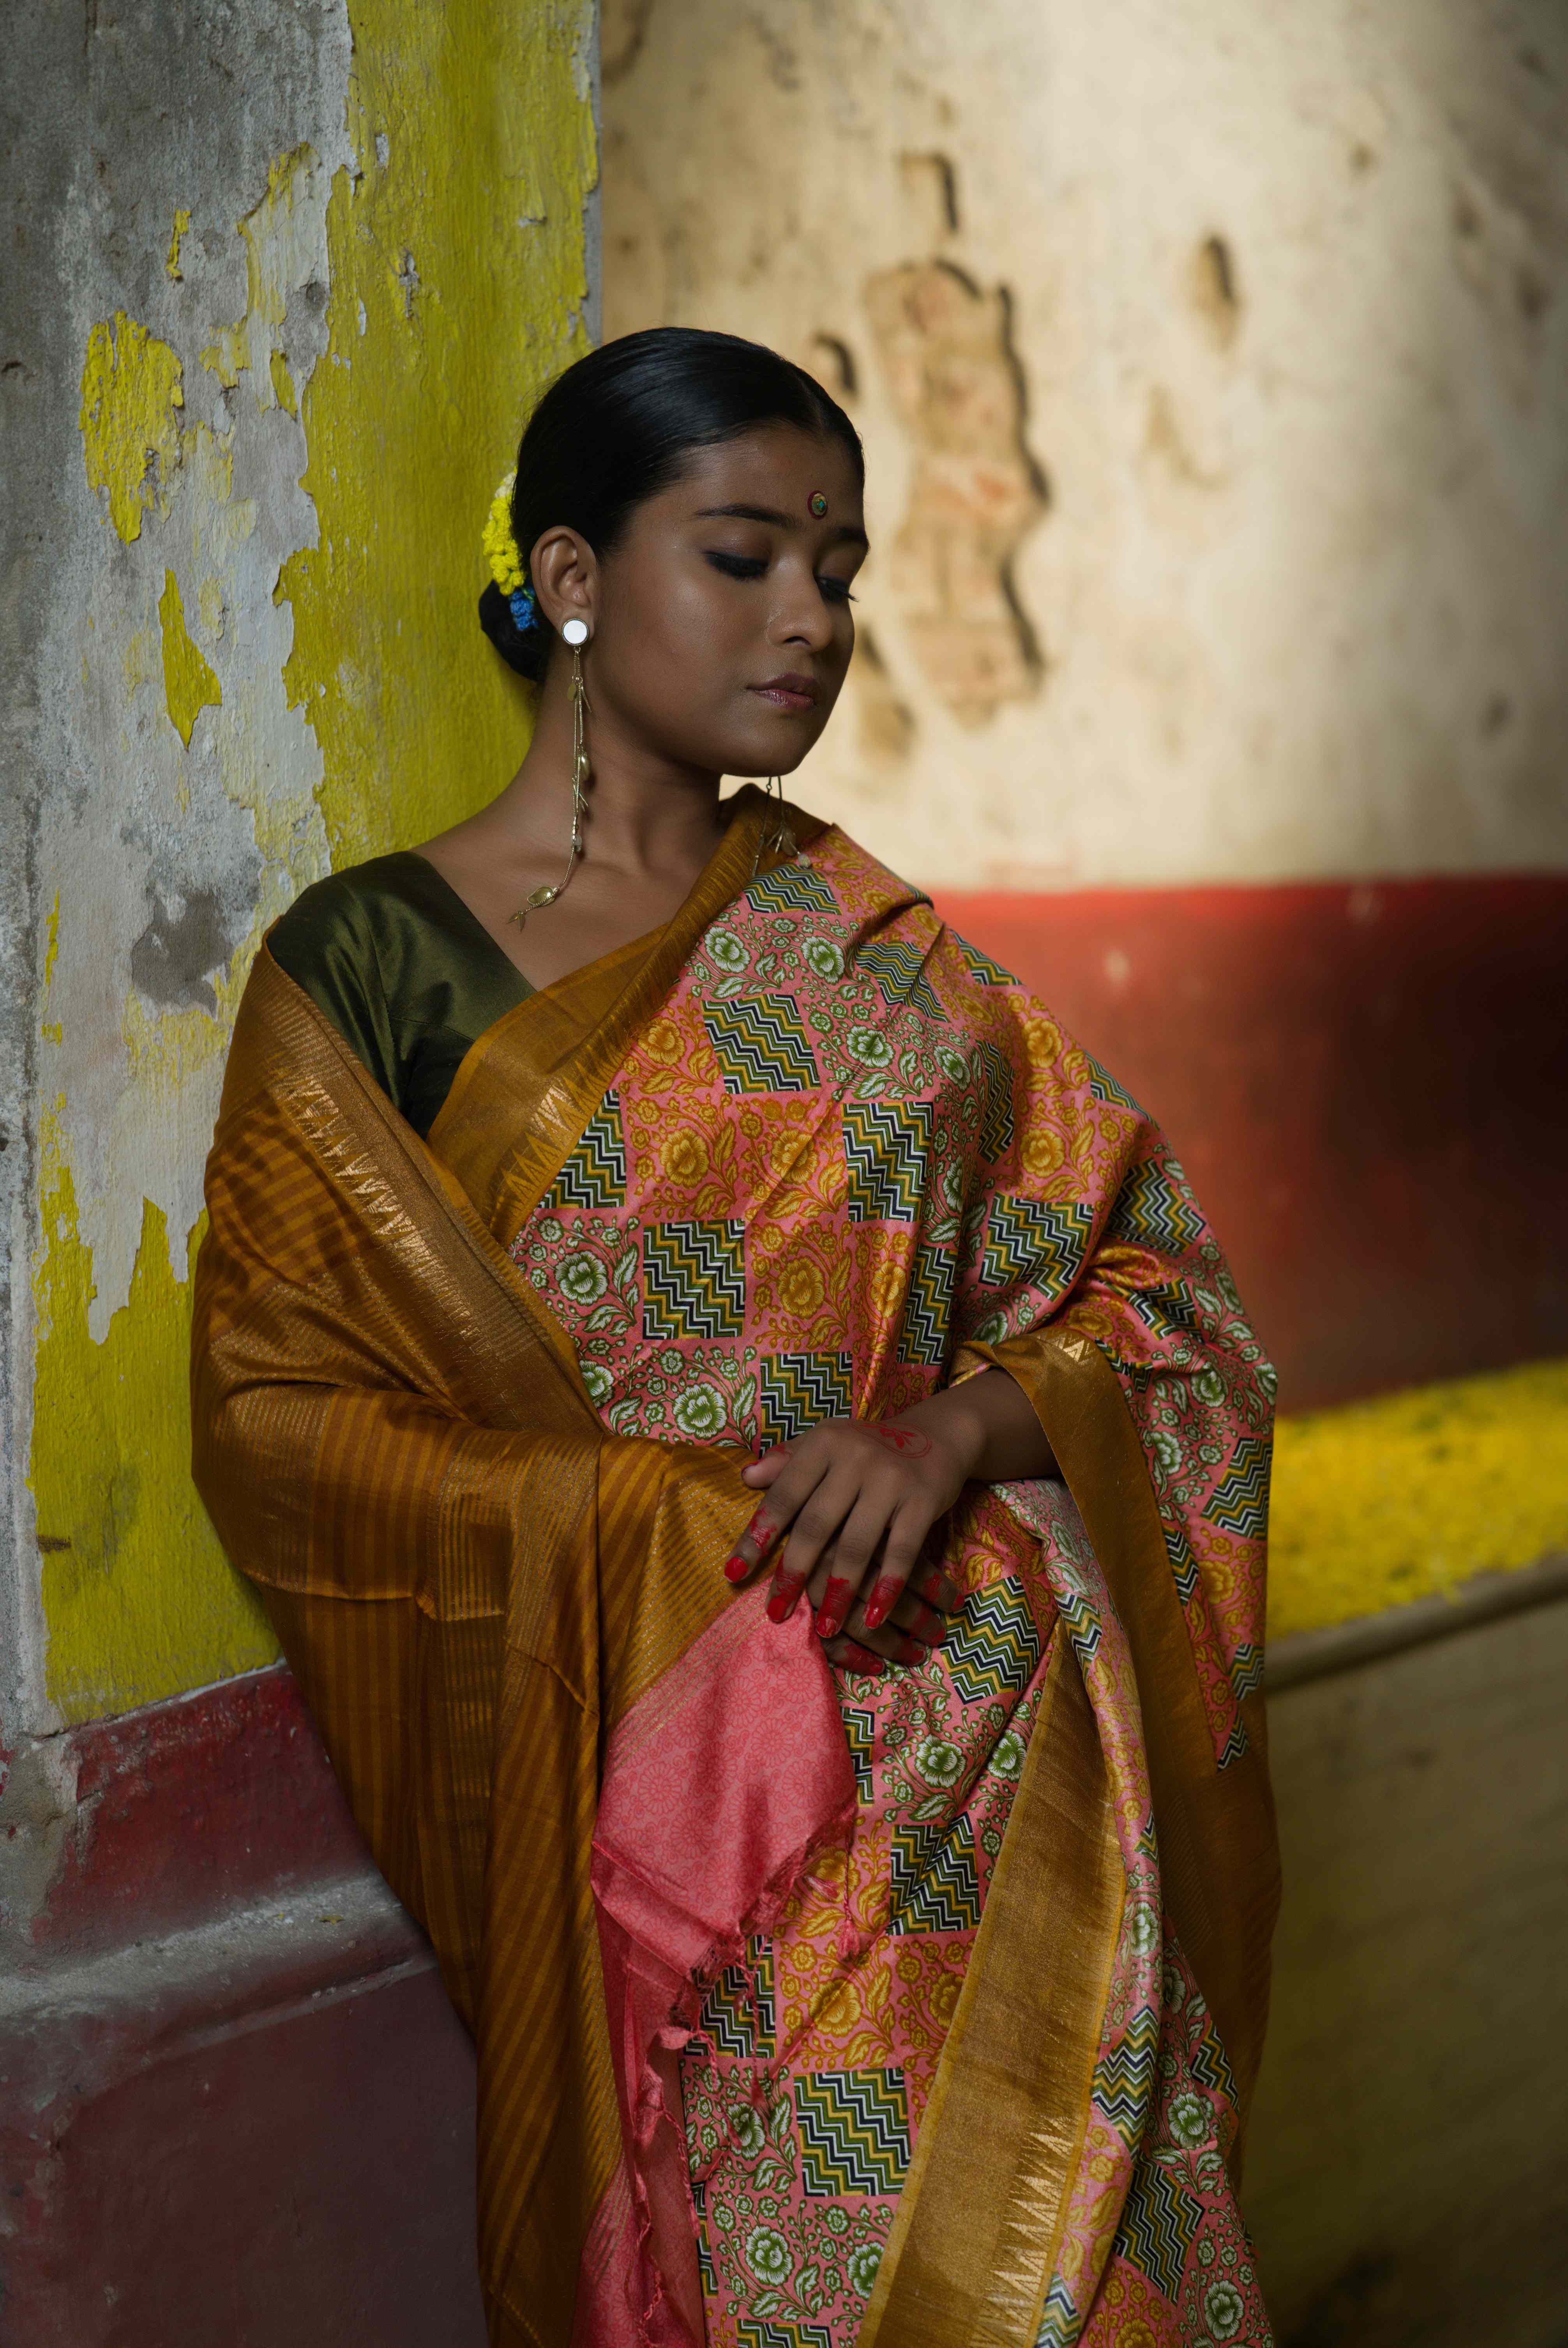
{"points": [[184, 1809]]}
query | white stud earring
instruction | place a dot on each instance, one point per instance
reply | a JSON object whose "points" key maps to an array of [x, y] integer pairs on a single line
{"points": [[574, 632]]}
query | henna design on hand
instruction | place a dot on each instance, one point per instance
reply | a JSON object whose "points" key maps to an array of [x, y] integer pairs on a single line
{"points": [[904, 1439]]}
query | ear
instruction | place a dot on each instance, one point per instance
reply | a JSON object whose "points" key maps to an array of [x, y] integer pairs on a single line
{"points": [[565, 572]]}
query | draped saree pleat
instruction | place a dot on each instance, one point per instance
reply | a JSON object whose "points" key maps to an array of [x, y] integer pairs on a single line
{"points": [[443, 1419]]}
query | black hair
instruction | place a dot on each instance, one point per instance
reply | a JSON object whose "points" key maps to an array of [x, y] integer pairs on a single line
{"points": [[621, 424]]}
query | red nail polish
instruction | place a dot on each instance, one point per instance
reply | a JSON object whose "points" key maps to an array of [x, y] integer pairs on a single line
{"points": [[835, 1603], [781, 1606], [736, 1569], [883, 1600]]}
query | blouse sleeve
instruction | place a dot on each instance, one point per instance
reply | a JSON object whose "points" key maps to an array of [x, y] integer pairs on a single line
{"points": [[325, 943]]}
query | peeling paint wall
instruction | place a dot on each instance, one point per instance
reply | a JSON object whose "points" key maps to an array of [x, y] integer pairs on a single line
{"points": [[283, 282], [1211, 362]]}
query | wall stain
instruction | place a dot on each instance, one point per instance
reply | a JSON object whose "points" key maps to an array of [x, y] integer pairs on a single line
{"points": [[946, 351], [414, 416], [172, 960], [1212, 281], [399, 435], [190, 683], [120, 1523], [132, 387]]}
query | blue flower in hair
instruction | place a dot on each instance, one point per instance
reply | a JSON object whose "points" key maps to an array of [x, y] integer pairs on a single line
{"points": [[524, 610]]}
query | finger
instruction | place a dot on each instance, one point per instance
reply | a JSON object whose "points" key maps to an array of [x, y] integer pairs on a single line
{"points": [[762, 1472], [888, 1644], [937, 1588], [853, 1552], [849, 1655], [923, 1621], [774, 1517], [818, 1521], [905, 1536]]}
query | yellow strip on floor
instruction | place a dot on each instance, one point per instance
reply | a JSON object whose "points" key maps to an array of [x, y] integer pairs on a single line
{"points": [[1376, 1503]]}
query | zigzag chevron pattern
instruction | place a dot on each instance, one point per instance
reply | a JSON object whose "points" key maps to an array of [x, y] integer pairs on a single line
{"points": [[1153, 1210], [791, 889], [706, 2270], [899, 970], [595, 1174], [1076, 1610], [1031, 1246], [992, 1647], [1104, 1087], [1158, 2223], [1124, 2077], [928, 1309], [997, 1124], [1167, 1310], [1211, 2068], [860, 1731], [854, 2128], [760, 1046], [1236, 1745], [753, 2333], [1059, 2324], [885, 1147], [1240, 1500], [795, 1390], [694, 1280], [982, 969], [934, 1884], [1247, 1669], [1183, 1564], [738, 2012]]}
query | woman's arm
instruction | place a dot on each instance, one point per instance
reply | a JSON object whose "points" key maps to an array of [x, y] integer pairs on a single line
{"points": [[858, 1498]]}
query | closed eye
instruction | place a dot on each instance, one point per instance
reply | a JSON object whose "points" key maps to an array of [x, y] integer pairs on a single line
{"points": [[752, 566]]}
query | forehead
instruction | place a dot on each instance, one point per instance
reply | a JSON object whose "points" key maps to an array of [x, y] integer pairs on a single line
{"points": [[776, 464]]}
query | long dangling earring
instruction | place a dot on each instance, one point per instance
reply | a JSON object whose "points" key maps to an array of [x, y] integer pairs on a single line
{"points": [[575, 634], [778, 841]]}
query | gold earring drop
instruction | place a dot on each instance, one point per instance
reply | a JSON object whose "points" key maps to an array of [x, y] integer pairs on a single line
{"points": [[575, 634], [780, 840]]}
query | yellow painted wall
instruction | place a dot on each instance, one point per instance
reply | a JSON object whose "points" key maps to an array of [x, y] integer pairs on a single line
{"points": [[309, 703]]}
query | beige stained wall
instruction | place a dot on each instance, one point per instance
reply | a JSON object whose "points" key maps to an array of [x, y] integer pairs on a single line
{"points": [[1212, 362]]}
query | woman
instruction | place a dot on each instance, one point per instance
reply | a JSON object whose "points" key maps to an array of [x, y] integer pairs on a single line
{"points": [[757, 1463]]}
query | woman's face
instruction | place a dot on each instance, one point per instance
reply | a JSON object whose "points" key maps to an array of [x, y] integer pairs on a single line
{"points": [[722, 626]]}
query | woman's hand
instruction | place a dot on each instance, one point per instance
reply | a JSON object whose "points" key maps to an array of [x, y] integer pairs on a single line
{"points": [[857, 1499]]}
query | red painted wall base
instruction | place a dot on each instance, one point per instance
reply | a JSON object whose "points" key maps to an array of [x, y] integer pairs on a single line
{"points": [[1368, 1087], [236, 2107]]}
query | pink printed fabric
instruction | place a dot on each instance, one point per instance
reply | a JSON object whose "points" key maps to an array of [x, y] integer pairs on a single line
{"points": [[848, 1145]]}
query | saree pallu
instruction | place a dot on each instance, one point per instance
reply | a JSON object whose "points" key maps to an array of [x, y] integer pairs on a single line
{"points": [[810, 2009]]}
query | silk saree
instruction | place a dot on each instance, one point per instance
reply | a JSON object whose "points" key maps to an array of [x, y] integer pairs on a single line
{"points": [[810, 2008]]}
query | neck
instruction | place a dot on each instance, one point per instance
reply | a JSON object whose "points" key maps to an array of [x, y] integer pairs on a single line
{"points": [[647, 813]]}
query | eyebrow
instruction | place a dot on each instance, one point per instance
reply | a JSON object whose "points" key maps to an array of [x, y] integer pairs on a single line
{"points": [[847, 532]]}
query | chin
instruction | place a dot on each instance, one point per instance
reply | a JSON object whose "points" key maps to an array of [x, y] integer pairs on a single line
{"points": [[754, 761]]}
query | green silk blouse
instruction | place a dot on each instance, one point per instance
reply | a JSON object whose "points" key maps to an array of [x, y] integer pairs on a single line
{"points": [[410, 978]]}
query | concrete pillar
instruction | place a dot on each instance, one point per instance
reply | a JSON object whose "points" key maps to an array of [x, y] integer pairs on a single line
{"points": [[281, 283]]}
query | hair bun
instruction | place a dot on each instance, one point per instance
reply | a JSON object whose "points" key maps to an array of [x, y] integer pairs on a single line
{"points": [[525, 649]]}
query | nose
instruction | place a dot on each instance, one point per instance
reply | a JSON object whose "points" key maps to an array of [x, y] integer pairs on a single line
{"points": [[801, 615]]}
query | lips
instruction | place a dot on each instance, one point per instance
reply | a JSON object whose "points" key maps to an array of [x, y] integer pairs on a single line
{"points": [[792, 691]]}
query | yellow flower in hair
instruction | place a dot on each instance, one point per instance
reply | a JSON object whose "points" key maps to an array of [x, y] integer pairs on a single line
{"points": [[500, 543]]}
